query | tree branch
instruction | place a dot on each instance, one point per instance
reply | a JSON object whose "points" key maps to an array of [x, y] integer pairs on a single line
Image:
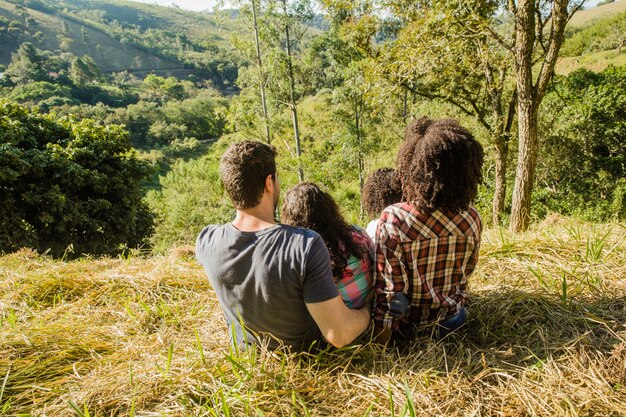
{"points": [[511, 113], [557, 29]]}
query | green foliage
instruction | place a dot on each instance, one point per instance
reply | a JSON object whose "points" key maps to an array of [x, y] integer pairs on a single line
{"points": [[65, 183], [202, 117], [583, 169], [26, 65], [191, 197], [43, 94], [155, 88], [84, 70], [604, 34]]}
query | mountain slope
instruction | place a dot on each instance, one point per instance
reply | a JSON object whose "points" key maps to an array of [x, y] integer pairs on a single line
{"points": [[117, 34], [584, 17]]}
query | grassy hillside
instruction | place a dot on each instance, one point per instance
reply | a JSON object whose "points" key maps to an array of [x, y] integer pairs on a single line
{"points": [[145, 336], [117, 34], [596, 41], [584, 17], [596, 61]]}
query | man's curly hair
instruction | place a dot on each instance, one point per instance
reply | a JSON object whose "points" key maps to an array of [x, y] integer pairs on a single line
{"points": [[382, 188], [440, 166], [243, 170], [306, 205]]}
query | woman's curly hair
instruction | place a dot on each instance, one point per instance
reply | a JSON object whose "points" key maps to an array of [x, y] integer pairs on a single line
{"points": [[382, 188], [413, 133], [306, 205], [440, 166]]}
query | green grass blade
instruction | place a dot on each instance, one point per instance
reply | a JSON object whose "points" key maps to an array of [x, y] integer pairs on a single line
{"points": [[76, 409], [409, 399], [4, 383]]}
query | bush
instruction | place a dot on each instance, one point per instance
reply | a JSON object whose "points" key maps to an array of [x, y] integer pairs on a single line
{"points": [[66, 183], [191, 197], [583, 163], [44, 94]]}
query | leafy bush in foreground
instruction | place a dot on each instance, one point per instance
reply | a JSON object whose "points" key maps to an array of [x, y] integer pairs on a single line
{"points": [[65, 183]]}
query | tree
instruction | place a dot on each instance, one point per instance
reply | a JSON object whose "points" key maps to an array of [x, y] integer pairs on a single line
{"points": [[354, 26], [532, 48], [251, 15], [444, 51], [84, 70], [584, 122], [66, 183], [291, 77], [27, 65]]}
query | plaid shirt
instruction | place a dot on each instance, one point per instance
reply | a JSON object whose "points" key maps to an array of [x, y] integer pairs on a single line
{"points": [[428, 257]]}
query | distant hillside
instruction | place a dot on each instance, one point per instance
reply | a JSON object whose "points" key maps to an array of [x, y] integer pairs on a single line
{"points": [[598, 42], [584, 17], [118, 35]]}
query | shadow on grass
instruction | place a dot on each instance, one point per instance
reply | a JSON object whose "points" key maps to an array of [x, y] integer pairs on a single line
{"points": [[508, 329]]}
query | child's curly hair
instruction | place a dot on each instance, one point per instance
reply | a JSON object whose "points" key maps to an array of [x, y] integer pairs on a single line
{"points": [[439, 165], [306, 205], [382, 188]]}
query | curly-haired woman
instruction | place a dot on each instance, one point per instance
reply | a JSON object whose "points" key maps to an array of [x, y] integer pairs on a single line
{"points": [[351, 250], [427, 247]]}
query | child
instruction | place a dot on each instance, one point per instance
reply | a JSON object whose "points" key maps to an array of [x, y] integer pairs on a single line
{"points": [[381, 189], [351, 250]]}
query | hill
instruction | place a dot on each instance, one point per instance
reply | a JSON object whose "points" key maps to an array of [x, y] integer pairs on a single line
{"points": [[118, 35], [595, 40], [583, 17], [145, 336]]}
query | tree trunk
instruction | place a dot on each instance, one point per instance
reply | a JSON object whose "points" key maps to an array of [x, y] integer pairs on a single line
{"points": [[527, 31], [292, 100], [499, 195], [526, 162], [268, 137], [405, 110], [359, 139], [504, 124]]}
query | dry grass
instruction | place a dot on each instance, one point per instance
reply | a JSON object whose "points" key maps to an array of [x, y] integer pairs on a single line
{"points": [[145, 337]]}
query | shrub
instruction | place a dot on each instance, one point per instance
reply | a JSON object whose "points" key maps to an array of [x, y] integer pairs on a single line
{"points": [[583, 163], [66, 183], [191, 197]]}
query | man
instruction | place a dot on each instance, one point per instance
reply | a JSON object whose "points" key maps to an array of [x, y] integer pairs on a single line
{"points": [[427, 247], [274, 282]]}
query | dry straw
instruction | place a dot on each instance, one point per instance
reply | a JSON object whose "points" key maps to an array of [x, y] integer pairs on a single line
{"points": [[145, 337]]}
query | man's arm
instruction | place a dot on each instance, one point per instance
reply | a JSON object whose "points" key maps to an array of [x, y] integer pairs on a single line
{"points": [[339, 324]]}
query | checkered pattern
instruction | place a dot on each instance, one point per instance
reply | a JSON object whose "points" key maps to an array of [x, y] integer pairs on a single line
{"points": [[426, 256], [356, 281]]}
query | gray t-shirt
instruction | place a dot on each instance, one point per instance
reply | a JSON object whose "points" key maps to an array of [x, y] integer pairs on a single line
{"points": [[264, 279]]}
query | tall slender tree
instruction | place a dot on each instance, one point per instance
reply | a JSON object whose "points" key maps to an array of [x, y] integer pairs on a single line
{"points": [[539, 33], [259, 63], [292, 100]]}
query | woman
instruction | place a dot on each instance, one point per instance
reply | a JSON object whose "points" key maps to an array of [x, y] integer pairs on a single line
{"points": [[351, 250]]}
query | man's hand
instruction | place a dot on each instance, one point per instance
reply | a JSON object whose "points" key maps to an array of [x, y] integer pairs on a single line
{"points": [[339, 324]]}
